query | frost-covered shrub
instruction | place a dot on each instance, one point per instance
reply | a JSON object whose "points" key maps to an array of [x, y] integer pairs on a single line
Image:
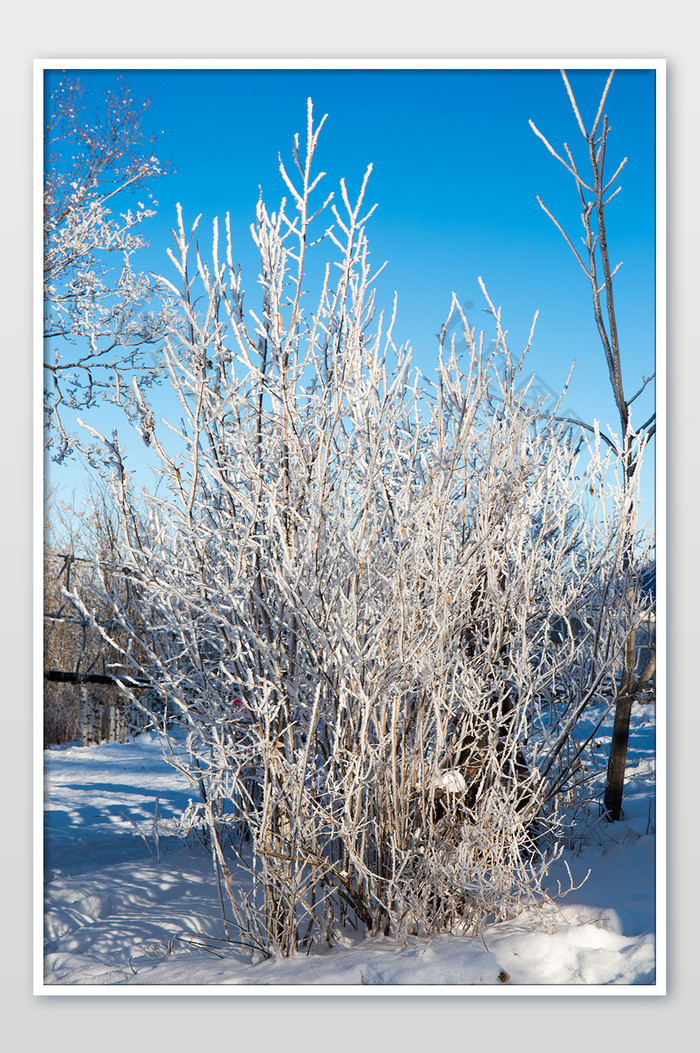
{"points": [[348, 584]]}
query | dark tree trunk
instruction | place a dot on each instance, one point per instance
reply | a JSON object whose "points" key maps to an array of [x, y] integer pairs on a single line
{"points": [[612, 802]]}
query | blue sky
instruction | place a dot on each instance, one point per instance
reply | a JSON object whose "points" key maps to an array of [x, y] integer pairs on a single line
{"points": [[456, 172]]}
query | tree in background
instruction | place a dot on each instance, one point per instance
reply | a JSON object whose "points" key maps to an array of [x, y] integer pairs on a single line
{"points": [[76, 543], [97, 321], [595, 193]]}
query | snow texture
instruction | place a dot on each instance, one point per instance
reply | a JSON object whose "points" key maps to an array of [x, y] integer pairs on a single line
{"points": [[127, 902]]}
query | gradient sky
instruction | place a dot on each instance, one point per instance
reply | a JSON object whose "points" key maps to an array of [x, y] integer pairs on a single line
{"points": [[456, 173]]}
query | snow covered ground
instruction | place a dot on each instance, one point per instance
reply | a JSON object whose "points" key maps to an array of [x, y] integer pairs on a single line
{"points": [[129, 907]]}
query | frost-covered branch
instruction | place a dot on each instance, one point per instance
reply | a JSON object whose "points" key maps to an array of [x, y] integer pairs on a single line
{"points": [[101, 315], [376, 602]]}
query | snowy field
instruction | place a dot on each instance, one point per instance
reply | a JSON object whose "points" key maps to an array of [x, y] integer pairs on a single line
{"points": [[128, 904]]}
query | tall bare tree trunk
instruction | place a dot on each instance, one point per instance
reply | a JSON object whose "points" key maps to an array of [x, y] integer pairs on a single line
{"points": [[632, 442]]}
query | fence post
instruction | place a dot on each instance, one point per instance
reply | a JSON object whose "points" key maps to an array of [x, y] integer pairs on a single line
{"points": [[84, 716]]}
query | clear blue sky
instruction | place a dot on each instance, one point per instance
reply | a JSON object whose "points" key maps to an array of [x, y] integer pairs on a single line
{"points": [[456, 173]]}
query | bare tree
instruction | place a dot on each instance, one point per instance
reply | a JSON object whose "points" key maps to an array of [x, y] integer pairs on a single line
{"points": [[595, 193], [81, 698], [348, 583], [97, 319]]}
